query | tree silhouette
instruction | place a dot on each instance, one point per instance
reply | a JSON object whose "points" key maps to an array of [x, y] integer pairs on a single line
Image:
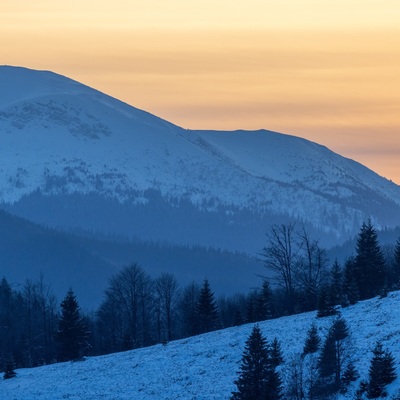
{"points": [[71, 334], [206, 310]]}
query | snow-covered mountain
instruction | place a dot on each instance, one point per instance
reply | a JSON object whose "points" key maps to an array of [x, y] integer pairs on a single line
{"points": [[73, 157], [204, 367]]}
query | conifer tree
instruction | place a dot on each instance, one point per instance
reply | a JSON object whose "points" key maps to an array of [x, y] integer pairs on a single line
{"points": [[206, 310], [276, 356], [258, 378], [395, 276], [350, 284], [9, 369], [312, 342], [71, 334], [254, 368], [350, 374], [381, 371], [333, 351], [336, 284], [370, 270], [325, 304]]}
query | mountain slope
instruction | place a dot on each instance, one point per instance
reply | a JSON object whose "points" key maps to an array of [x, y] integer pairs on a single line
{"points": [[205, 367], [65, 261], [68, 149]]}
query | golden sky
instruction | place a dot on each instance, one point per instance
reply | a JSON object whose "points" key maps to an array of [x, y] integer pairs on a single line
{"points": [[325, 70]]}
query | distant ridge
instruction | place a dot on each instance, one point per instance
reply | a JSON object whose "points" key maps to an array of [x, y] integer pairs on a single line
{"points": [[75, 158]]}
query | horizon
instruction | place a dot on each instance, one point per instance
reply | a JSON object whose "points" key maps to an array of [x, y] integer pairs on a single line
{"points": [[325, 72]]}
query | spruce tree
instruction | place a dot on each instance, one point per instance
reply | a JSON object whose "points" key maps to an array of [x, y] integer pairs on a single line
{"points": [[258, 378], [350, 374], [370, 270], [336, 284], [206, 310], [325, 304], [395, 275], [312, 342], [71, 334], [333, 351], [254, 368], [382, 371], [9, 369], [276, 356]]}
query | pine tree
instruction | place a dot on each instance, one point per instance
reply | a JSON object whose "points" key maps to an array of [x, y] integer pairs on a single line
{"points": [[206, 310], [350, 374], [325, 304], [254, 368], [276, 357], [350, 285], [336, 286], [312, 342], [9, 369], [71, 333], [388, 367], [370, 270], [395, 275], [333, 350], [258, 378], [381, 371]]}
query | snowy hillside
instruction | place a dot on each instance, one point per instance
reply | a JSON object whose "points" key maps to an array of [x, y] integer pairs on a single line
{"points": [[204, 367], [61, 140]]}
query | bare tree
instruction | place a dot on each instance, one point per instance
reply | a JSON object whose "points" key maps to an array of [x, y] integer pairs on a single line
{"points": [[280, 255], [126, 308], [167, 292], [310, 268]]}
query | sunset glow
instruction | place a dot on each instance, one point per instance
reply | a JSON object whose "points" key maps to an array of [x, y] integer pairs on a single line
{"points": [[327, 71]]}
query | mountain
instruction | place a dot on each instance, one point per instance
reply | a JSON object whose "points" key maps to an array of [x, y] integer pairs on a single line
{"points": [[29, 251], [75, 158], [204, 367], [64, 260]]}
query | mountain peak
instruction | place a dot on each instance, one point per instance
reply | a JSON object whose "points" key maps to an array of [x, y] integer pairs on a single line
{"points": [[62, 138]]}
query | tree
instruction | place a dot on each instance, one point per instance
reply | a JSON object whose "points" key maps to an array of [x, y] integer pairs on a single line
{"points": [[124, 315], [370, 269], [275, 353], [350, 374], [395, 272], [257, 378], [309, 269], [187, 307], [333, 353], [325, 304], [381, 371], [71, 334], [9, 369], [336, 284], [206, 310], [166, 288], [280, 256], [312, 342]]}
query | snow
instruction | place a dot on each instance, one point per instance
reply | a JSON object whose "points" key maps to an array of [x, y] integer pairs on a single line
{"points": [[205, 366], [52, 126]]}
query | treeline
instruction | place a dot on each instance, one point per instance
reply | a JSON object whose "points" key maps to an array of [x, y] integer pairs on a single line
{"points": [[138, 310]]}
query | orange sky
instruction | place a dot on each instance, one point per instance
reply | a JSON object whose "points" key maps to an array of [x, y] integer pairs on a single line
{"points": [[325, 70]]}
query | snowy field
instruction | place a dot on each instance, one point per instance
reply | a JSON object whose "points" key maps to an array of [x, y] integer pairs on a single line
{"points": [[205, 366]]}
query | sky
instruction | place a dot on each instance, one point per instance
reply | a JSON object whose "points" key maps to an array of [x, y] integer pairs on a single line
{"points": [[325, 70]]}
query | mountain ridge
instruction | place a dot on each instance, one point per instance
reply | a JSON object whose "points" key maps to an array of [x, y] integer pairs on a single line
{"points": [[62, 138]]}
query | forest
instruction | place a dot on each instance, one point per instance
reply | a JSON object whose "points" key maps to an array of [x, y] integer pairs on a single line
{"points": [[138, 311]]}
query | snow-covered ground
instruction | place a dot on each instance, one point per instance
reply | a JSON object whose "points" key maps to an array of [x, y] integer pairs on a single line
{"points": [[204, 367]]}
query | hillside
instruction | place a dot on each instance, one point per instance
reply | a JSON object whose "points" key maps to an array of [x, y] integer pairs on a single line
{"points": [[75, 158], [204, 367], [67, 260]]}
